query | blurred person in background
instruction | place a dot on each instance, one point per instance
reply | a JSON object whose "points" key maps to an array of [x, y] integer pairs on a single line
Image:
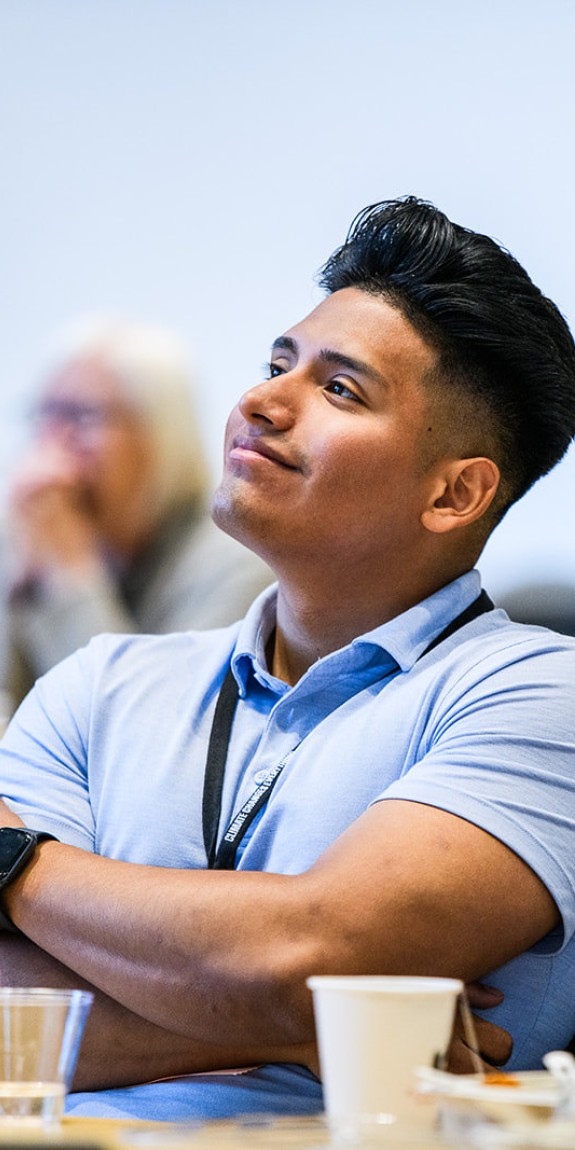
{"points": [[545, 603], [107, 527]]}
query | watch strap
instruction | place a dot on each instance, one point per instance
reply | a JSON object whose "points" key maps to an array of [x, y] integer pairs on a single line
{"points": [[5, 920], [7, 924]]}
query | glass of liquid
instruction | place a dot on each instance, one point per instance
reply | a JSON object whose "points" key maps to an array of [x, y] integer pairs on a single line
{"points": [[40, 1034]]}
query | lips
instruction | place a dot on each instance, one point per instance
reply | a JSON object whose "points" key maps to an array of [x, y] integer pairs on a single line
{"points": [[244, 445]]}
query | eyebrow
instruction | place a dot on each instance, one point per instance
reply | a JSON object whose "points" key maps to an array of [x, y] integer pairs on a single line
{"points": [[335, 358]]}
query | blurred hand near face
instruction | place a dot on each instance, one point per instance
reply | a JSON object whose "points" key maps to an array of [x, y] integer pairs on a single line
{"points": [[52, 524]]}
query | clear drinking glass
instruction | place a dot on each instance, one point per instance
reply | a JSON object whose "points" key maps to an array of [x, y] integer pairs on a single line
{"points": [[40, 1034]]}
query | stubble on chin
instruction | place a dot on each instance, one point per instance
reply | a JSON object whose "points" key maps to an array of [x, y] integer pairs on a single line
{"points": [[219, 506], [233, 510], [227, 512]]}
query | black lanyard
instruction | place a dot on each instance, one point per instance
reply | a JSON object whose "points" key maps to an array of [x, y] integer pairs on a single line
{"points": [[224, 857]]}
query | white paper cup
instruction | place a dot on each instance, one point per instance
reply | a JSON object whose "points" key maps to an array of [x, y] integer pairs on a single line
{"points": [[40, 1034], [372, 1033]]}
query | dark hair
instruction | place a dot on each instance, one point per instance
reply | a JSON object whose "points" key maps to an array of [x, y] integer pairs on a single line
{"points": [[501, 342]]}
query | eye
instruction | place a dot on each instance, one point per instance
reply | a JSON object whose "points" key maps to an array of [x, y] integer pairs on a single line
{"points": [[340, 388], [272, 370]]}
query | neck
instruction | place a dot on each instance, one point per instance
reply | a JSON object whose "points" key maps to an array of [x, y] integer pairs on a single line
{"points": [[311, 626]]}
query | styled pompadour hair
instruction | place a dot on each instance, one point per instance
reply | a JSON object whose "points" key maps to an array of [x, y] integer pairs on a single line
{"points": [[501, 342]]}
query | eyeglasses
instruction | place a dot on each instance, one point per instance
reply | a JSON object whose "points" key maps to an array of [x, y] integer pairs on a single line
{"points": [[86, 417]]}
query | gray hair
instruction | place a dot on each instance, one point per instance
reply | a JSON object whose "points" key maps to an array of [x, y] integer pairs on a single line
{"points": [[153, 371]]}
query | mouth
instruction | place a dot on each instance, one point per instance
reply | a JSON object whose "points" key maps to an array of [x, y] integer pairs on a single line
{"points": [[246, 447]]}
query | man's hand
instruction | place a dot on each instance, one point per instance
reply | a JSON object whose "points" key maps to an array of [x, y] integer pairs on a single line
{"points": [[492, 1045]]}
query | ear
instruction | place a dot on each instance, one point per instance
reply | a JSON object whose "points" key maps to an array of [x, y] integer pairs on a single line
{"points": [[461, 494]]}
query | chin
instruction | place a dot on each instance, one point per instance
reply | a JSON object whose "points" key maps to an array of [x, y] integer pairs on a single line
{"points": [[225, 513], [236, 517]]}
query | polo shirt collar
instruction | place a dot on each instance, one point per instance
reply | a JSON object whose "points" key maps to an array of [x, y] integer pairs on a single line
{"points": [[403, 639]]}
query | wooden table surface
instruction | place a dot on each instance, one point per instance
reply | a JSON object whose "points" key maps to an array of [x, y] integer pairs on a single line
{"points": [[243, 1134]]}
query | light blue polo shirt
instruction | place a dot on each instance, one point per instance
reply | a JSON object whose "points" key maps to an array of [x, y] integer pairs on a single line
{"points": [[108, 752]]}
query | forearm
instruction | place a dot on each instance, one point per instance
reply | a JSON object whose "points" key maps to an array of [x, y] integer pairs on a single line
{"points": [[182, 949], [175, 947], [119, 1047]]}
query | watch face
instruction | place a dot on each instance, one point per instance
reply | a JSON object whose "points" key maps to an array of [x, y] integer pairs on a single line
{"points": [[15, 846]]}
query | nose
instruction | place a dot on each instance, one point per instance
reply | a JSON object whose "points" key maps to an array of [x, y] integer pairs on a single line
{"points": [[273, 401]]}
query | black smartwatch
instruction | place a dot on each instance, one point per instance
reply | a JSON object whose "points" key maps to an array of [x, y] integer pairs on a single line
{"points": [[17, 846]]}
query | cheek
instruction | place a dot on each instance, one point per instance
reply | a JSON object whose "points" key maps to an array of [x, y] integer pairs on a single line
{"points": [[122, 459], [350, 463], [370, 473], [139, 463]]}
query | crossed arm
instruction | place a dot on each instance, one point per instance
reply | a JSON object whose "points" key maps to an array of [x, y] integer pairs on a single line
{"points": [[218, 960], [120, 1048]]}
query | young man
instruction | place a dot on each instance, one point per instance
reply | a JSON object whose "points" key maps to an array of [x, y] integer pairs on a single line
{"points": [[385, 784]]}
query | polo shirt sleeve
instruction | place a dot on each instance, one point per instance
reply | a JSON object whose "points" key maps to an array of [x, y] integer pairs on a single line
{"points": [[44, 752], [498, 750]]}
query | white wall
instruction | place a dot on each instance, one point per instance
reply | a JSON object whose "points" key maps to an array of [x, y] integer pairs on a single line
{"points": [[193, 162]]}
